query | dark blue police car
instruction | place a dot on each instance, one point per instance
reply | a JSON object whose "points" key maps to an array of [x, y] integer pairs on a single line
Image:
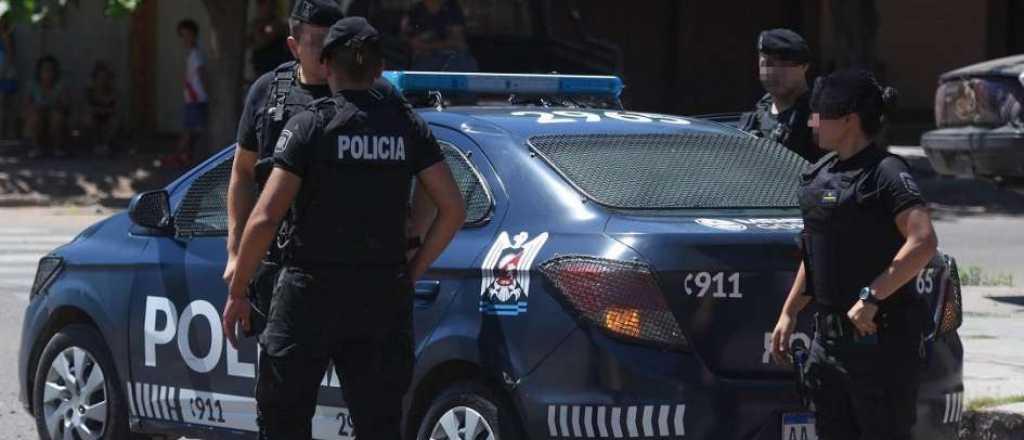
{"points": [[617, 278]]}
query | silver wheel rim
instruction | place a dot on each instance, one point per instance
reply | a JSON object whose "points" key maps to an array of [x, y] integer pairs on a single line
{"points": [[75, 397], [462, 423]]}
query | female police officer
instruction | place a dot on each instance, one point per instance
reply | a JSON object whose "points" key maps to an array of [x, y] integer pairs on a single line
{"points": [[866, 234]]}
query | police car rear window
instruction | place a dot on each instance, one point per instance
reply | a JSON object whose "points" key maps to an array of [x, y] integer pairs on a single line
{"points": [[676, 171]]}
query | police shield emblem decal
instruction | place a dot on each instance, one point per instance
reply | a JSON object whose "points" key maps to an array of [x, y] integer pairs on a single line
{"points": [[910, 184], [282, 142], [505, 274]]}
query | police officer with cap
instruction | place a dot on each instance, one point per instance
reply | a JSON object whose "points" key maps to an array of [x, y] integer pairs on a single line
{"points": [[781, 115], [867, 234], [274, 98], [342, 173]]}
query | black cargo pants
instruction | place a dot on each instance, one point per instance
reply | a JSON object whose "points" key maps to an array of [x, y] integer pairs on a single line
{"points": [[866, 388], [360, 318]]}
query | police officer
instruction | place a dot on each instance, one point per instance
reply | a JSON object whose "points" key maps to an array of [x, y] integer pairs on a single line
{"points": [[342, 173], [866, 234], [781, 115], [272, 100]]}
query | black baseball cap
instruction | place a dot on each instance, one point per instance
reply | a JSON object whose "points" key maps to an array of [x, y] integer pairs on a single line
{"points": [[847, 91], [349, 32], [785, 45], [317, 12]]}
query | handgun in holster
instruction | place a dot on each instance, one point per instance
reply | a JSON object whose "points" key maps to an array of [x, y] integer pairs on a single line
{"points": [[798, 350], [261, 292]]}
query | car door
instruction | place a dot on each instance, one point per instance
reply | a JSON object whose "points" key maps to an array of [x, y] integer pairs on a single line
{"points": [[183, 369], [455, 272]]}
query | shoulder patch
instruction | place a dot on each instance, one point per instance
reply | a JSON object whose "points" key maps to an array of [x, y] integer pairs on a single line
{"points": [[282, 142], [910, 184]]}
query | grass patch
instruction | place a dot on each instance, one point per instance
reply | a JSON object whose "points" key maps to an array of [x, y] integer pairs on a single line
{"points": [[974, 276], [989, 402]]}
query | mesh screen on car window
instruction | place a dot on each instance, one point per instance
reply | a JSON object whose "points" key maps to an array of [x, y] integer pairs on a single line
{"points": [[204, 210], [477, 199], [676, 171]]}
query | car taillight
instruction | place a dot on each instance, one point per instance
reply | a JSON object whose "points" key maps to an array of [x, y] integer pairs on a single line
{"points": [[45, 273], [621, 298]]}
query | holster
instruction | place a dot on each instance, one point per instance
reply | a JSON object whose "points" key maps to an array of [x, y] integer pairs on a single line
{"points": [[261, 292], [801, 354]]}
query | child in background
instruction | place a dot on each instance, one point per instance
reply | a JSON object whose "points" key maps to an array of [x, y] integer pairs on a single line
{"points": [[46, 109], [101, 98]]}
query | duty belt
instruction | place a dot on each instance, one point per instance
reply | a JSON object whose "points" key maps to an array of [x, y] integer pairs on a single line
{"points": [[833, 325]]}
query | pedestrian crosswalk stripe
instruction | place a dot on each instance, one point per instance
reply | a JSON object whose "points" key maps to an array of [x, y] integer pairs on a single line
{"points": [[33, 247], [21, 230], [19, 258], [21, 238]]}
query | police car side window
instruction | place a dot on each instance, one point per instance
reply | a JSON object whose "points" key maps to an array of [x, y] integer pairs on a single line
{"points": [[203, 211], [475, 192]]}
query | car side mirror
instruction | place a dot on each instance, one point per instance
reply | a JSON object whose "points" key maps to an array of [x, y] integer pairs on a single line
{"points": [[151, 209]]}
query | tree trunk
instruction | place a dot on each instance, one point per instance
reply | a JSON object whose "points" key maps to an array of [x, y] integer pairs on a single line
{"points": [[856, 24], [225, 69]]}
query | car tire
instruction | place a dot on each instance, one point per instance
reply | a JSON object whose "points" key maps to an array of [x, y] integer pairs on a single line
{"points": [[76, 388], [463, 406]]}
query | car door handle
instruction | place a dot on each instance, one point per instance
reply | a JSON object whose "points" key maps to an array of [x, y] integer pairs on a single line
{"points": [[427, 290]]}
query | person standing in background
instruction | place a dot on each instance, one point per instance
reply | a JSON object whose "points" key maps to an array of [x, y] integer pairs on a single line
{"points": [[435, 31], [783, 58], [46, 110], [103, 118], [8, 76], [196, 108], [268, 35]]}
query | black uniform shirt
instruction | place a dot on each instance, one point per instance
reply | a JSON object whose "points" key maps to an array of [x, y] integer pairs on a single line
{"points": [[357, 154], [256, 105], [788, 127], [303, 129], [850, 235]]}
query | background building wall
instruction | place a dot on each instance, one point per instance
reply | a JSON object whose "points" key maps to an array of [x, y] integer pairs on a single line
{"points": [[77, 38], [679, 56]]}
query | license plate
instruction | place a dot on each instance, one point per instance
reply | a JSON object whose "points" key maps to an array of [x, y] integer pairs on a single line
{"points": [[798, 426]]}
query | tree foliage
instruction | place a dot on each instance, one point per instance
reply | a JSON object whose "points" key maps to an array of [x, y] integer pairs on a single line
{"points": [[34, 11]]}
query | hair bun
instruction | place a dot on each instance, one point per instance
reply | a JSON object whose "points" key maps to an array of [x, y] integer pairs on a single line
{"points": [[889, 98]]}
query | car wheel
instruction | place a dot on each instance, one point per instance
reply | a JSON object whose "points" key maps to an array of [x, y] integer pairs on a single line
{"points": [[76, 391], [467, 411]]}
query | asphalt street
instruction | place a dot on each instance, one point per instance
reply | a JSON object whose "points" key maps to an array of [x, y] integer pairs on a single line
{"points": [[995, 358], [25, 236]]}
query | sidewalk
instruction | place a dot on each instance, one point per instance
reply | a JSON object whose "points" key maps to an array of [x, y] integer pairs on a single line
{"points": [[82, 180], [992, 332]]}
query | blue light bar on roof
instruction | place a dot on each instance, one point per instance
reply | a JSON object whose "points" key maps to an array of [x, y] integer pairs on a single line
{"points": [[506, 83]]}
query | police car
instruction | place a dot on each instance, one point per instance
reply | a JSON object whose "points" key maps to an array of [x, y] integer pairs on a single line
{"points": [[617, 277]]}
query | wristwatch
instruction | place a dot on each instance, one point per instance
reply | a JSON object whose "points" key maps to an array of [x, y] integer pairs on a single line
{"points": [[867, 295]]}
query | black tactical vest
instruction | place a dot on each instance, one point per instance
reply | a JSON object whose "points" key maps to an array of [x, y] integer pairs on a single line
{"points": [[353, 202], [788, 128], [281, 104], [849, 237]]}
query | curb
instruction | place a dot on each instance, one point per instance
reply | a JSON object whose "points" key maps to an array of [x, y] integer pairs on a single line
{"points": [[992, 425]]}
